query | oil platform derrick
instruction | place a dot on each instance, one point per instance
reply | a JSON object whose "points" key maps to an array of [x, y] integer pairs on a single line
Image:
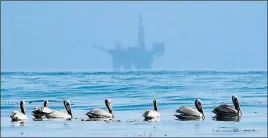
{"points": [[134, 58]]}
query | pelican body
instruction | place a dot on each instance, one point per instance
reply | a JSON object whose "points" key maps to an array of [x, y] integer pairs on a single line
{"points": [[97, 114], [59, 114], [226, 111], [152, 115], [188, 113], [39, 112], [19, 116]]}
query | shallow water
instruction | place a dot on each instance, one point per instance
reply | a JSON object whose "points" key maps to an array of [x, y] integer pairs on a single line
{"points": [[131, 94]]}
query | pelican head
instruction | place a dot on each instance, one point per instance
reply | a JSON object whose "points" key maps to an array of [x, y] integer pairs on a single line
{"points": [[109, 105], [199, 107], [22, 108], [67, 106], [155, 104], [46, 103], [236, 104]]}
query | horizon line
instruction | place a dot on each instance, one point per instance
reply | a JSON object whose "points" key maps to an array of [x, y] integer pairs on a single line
{"points": [[93, 71]]}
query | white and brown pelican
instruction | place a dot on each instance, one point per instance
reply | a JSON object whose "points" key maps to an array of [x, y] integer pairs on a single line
{"points": [[19, 116], [152, 115], [188, 113], [39, 112], [226, 111], [97, 114], [59, 114]]}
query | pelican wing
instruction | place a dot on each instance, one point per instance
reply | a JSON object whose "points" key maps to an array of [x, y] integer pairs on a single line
{"points": [[225, 109], [151, 114], [188, 117], [188, 111], [18, 116], [46, 110], [99, 113], [41, 110], [13, 113], [57, 114]]}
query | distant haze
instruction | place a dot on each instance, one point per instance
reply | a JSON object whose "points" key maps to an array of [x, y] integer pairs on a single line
{"points": [[58, 36]]}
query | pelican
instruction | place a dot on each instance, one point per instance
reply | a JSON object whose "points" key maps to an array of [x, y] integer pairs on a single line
{"points": [[188, 113], [226, 111], [97, 114], [59, 114], [39, 112], [152, 115], [19, 116]]}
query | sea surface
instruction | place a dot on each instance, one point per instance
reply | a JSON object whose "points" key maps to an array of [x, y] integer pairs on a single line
{"points": [[132, 93]]}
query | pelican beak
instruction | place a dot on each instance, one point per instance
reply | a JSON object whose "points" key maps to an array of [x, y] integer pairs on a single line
{"points": [[240, 112], [203, 117]]}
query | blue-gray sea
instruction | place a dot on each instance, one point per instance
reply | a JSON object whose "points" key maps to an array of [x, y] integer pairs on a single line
{"points": [[132, 93]]}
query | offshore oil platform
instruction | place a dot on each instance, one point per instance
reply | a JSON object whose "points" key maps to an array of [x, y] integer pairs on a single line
{"points": [[137, 57]]}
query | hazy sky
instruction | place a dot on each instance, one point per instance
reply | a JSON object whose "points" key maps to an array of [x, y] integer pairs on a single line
{"points": [[53, 36]]}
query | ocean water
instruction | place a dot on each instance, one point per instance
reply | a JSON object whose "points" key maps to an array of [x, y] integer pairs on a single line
{"points": [[132, 93]]}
